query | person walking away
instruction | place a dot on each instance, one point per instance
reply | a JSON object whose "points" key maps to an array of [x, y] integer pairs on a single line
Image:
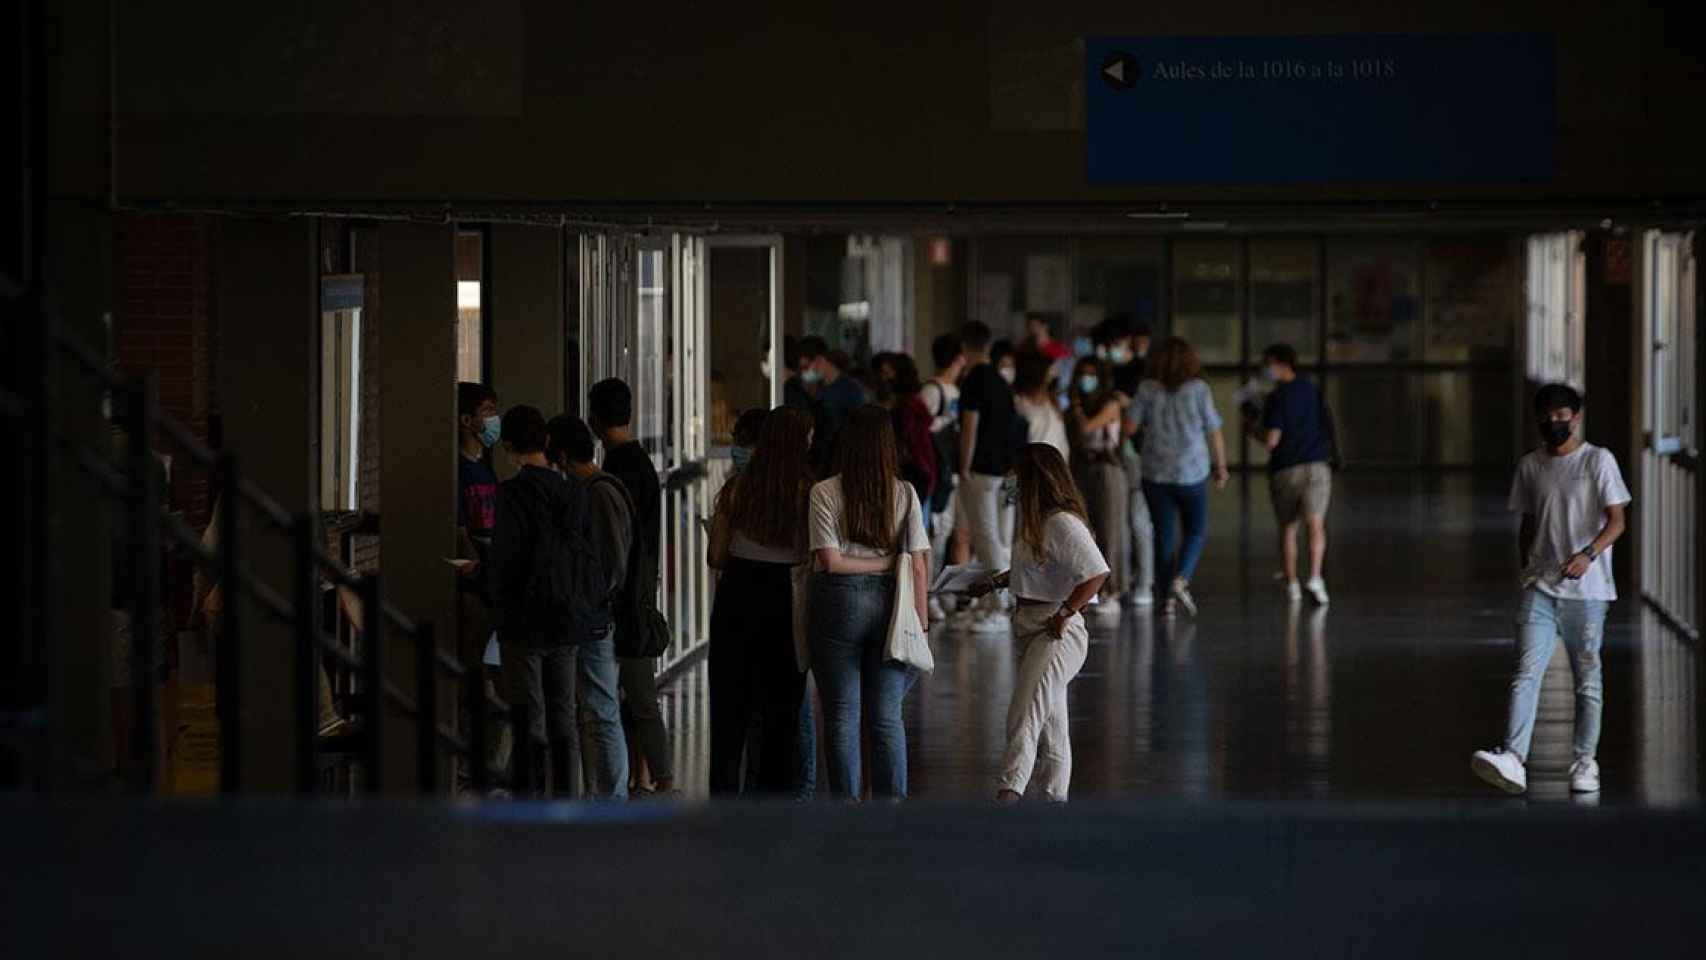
{"points": [[554, 623], [1140, 558], [1057, 570], [1297, 431], [1035, 401], [611, 405], [477, 430], [1096, 439], [1573, 501], [838, 395], [941, 396], [1183, 448], [987, 423], [866, 528], [756, 541]]}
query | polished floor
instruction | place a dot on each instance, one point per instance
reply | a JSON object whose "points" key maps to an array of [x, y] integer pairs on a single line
{"points": [[1380, 696]]}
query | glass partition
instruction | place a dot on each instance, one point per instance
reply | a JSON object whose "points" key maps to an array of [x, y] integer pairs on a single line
{"points": [[1284, 281], [1205, 298], [1373, 300]]}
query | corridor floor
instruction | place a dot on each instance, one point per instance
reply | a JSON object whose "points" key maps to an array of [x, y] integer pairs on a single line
{"points": [[1382, 695]]}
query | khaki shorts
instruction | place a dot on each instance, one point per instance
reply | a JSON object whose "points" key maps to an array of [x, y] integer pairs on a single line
{"points": [[1301, 491]]}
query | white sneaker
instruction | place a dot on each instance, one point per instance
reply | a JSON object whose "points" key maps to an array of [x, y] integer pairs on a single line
{"points": [[937, 613], [1293, 592], [1182, 593], [1501, 769], [1143, 598], [991, 622], [1317, 590], [1106, 608], [1584, 776]]}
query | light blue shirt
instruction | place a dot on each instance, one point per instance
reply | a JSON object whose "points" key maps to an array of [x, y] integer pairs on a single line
{"points": [[1175, 430]]}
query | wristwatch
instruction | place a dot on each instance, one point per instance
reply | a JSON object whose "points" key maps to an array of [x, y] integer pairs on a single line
{"points": [[1067, 609]]}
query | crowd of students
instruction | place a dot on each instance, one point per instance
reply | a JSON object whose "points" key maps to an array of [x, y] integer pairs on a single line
{"points": [[1077, 479]]}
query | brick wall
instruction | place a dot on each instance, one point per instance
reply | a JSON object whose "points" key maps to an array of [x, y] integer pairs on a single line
{"points": [[164, 321]]}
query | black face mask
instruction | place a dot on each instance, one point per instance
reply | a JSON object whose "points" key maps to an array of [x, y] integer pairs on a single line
{"points": [[1556, 433]]}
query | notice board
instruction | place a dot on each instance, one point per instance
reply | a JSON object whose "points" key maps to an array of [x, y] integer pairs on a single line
{"points": [[1450, 108]]}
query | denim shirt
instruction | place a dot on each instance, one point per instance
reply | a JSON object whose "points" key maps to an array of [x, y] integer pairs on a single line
{"points": [[1175, 430]]}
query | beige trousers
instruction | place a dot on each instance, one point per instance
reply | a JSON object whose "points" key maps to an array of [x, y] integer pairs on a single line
{"points": [[1037, 735]]}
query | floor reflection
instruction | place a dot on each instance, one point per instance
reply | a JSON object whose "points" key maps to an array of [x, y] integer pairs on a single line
{"points": [[1381, 696]]}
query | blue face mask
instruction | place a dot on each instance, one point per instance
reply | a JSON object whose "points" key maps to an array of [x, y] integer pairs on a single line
{"points": [[490, 430], [741, 456], [1083, 347], [811, 376], [1088, 383]]}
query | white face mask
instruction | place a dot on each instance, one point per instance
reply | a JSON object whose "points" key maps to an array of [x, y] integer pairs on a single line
{"points": [[1008, 373]]}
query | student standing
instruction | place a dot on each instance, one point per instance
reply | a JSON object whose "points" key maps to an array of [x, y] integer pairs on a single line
{"points": [[1140, 559], [1057, 570], [757, 538], [1034, 400], [569, 448], [838, 395], [866, 528], [1183, 449], [478, 428], [941, 396], [1298, 434], [1572, 499], [912, 429], [531, 505], [611, 404], [1096, 438], [800, 357], [987, 423]]}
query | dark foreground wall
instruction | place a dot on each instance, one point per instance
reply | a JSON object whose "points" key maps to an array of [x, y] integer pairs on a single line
{"points": [[526, 100], [651, 880]]}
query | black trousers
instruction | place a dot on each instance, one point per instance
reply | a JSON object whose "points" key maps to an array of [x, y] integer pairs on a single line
{"points": [[755, 682]]}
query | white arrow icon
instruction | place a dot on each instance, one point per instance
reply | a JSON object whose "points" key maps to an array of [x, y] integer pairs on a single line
{"points": [[1115, 71]]}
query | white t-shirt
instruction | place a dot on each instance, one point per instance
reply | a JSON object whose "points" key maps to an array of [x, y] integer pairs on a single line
{"points": [[1567, 497], [829, 509], [1070, 557], [1043, 424]]}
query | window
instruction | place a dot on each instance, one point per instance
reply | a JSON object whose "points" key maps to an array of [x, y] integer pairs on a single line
{"points": [[340, 391], [1205, 298], [1283, 277], [1672, 387], [1556, 271], [470, 300]]}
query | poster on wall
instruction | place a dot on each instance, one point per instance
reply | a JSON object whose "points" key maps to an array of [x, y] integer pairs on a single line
{"points": [[1048, 284], [1448, 108]]}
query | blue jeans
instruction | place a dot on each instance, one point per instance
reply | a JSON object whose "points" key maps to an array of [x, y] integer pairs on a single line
{"points": [[1172, 505], [849, 626], [570, 689], [1540, 620], [805, 785]]}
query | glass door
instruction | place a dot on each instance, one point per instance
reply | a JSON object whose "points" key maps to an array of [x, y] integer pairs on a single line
{"points": [[1669, 492]]}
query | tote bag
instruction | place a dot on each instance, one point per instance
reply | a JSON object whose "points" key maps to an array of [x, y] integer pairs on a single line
{"points": [[907, 642]]}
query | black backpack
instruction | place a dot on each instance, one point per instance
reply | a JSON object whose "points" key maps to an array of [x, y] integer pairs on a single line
{"points": [[567, 595], [641, 630]]}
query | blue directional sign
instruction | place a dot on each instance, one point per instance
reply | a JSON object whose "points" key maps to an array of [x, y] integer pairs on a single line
{"points": [[1458, 108]]}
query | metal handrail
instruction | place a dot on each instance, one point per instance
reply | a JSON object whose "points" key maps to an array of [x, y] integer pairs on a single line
{"points": [[137, 485]]}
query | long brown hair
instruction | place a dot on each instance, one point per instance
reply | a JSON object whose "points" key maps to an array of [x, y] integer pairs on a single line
{"points": [[1175, 363], [1045, 488], [867, 461], [767, 502]]}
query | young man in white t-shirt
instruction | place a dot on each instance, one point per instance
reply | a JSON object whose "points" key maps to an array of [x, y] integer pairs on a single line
{"points": [[1572, 497]]}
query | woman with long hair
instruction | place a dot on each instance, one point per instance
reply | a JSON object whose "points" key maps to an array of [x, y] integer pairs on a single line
{"points": [[1035, 401], [755, 542], [916, 449], [1182, 450], [1097, 414], [1057, 570], [867, 527]]}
